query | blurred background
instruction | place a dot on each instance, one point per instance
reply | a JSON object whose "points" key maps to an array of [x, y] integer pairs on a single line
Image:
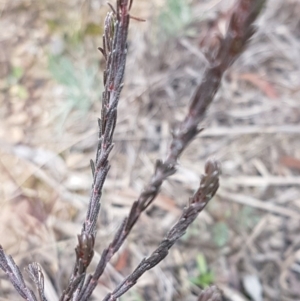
{"points": [[247, 241]]}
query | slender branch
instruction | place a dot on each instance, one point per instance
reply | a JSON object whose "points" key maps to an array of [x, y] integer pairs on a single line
{"points": [[208, 186], [114, 51], [35, 273], [9, 267], [239, 32]]}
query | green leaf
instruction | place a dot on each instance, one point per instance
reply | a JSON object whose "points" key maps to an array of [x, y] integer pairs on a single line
{"points": [[201, 264], [205, 277]]}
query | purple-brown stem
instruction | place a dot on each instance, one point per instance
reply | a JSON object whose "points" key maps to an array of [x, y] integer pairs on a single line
{"points": [[239, 31], [114, 51], [208, 186]]}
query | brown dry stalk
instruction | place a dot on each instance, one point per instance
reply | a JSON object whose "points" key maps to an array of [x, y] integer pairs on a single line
{"points": [[114, 50]]}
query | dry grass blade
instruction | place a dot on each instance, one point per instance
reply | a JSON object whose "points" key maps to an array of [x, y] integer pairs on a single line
{"points": [[255, 203]]}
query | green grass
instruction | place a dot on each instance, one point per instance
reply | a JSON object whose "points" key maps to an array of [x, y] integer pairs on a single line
{"points": [[175, 16], [205, 277], [81, 84]]}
